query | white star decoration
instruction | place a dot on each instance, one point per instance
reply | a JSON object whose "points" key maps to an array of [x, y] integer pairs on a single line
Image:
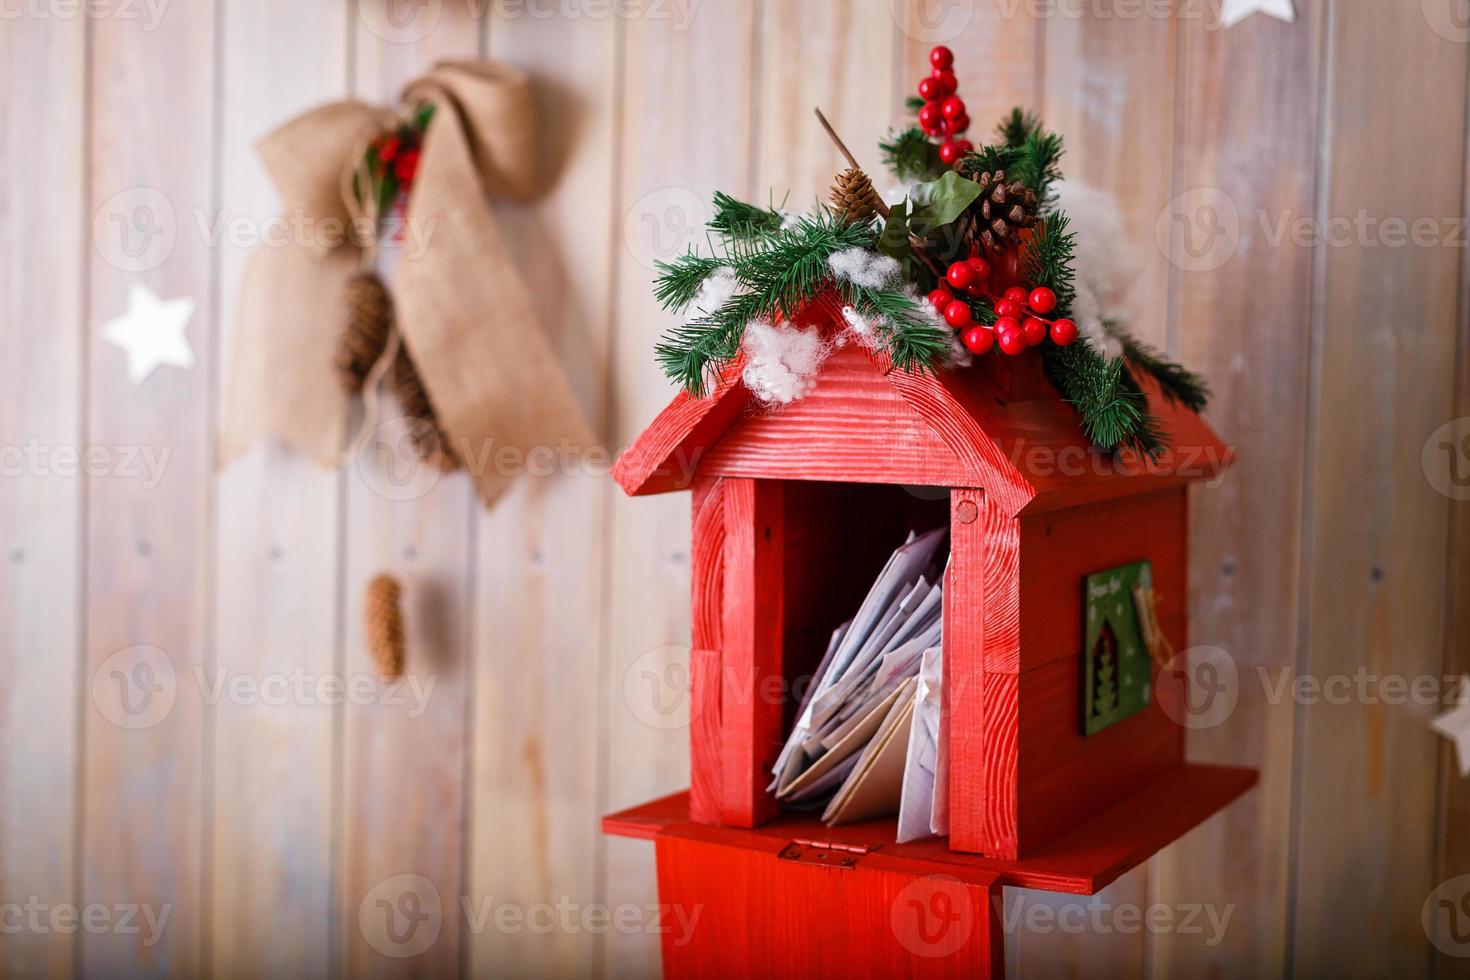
{"points": [[152, 332], [1235, 11], [1455, 724]]}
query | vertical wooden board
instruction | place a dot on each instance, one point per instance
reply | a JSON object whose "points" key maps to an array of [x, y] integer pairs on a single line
{"points": [[277, 547], [541, 555], [404, 747], [1089, 938], [1243, 314], [42, 74], [995, 45], [148, 544], [1108, 86], [840, 56], [685, 131], [1109, 90], [1375, 594]]}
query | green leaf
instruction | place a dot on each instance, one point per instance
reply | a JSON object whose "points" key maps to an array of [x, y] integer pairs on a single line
{"points": [[939, 202], [895, 238]]}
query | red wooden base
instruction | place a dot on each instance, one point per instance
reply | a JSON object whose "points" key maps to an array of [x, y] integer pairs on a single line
{"points": [[1082, 861], [762, 908]]}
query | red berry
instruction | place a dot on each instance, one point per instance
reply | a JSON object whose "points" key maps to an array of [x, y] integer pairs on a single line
{"points": [[1016, 295], [979, 266], [952, 107], [962, 123], [930, 89], [1035, 330], [948, 83], [975, 289], [929, 115], [965, 147], [1063, 333], [941, 58], [949, 153], [1008, 308], [1042, 300], [941, 298], [957, 314], [1011, 341], [960, 275], [978, 340], [1007, 324]]}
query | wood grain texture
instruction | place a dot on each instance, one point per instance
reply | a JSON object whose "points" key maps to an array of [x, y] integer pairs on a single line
{"points": [[1375, 598], [673, 151], [1245, 326], [275, 595], [542, 550], [42, 335], [404, 749], [752, 630], [148, 552]]}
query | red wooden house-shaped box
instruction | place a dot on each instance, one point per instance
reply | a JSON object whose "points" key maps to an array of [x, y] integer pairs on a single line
{"points": [[794, 511]]}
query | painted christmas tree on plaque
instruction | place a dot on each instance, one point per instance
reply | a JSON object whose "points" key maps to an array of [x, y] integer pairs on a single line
{"points": [[1116, 664]]}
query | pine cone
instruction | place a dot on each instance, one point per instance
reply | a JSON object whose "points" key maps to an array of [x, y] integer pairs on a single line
{"points": [[429, 440], [853, 196], [369, 318], [1002, 210], [382, 623]]}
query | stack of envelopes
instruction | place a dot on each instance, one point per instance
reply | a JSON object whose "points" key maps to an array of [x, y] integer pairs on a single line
{"points": [[866, 740]]}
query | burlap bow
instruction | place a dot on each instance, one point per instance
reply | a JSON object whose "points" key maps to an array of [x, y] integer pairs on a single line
{"points": [[462, 311]]}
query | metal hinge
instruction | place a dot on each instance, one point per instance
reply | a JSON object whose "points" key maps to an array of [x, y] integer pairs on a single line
{"points": [[830, 854]]}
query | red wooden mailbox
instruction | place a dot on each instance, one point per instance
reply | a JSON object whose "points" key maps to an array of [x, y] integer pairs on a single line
{"points": [[794, 511]]}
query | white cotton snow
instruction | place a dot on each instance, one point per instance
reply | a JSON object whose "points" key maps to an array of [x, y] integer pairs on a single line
{"points": [[717, 289], [863, 267], [1107, 266], [782, 360]]}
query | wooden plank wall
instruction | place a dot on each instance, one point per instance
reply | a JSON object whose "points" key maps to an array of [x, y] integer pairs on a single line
{"points": [[280, 839]]}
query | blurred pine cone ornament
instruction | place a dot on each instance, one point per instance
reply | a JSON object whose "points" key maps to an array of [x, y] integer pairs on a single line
{"points": [[369, 321], [382, 623], [430, 440]]}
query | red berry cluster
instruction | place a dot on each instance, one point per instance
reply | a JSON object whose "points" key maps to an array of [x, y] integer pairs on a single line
{"points": [[943, 113], [1020, 316]]}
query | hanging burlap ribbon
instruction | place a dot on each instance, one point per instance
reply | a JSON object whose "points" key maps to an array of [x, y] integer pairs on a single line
{"points": [[462, 311]]}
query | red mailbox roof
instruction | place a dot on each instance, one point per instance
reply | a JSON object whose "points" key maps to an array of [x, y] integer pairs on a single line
{"points": [[1000, 426]]}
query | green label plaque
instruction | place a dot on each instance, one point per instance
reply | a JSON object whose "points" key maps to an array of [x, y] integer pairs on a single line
{"points": [[1115, 663]]}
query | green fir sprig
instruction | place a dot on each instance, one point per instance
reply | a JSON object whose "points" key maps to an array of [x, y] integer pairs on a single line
{"points": [[778, 272], [737, 220], [1180, 385]]}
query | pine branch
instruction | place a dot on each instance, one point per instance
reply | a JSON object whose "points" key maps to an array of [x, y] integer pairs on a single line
{"points": [[1016, 128], [738, 221], [913, 103], [679, 281], [989, 159], [913, 342], [1048, 262], [1180, 385], [1039, 165], [780, 271], [1113, 408], [909, 155]]}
